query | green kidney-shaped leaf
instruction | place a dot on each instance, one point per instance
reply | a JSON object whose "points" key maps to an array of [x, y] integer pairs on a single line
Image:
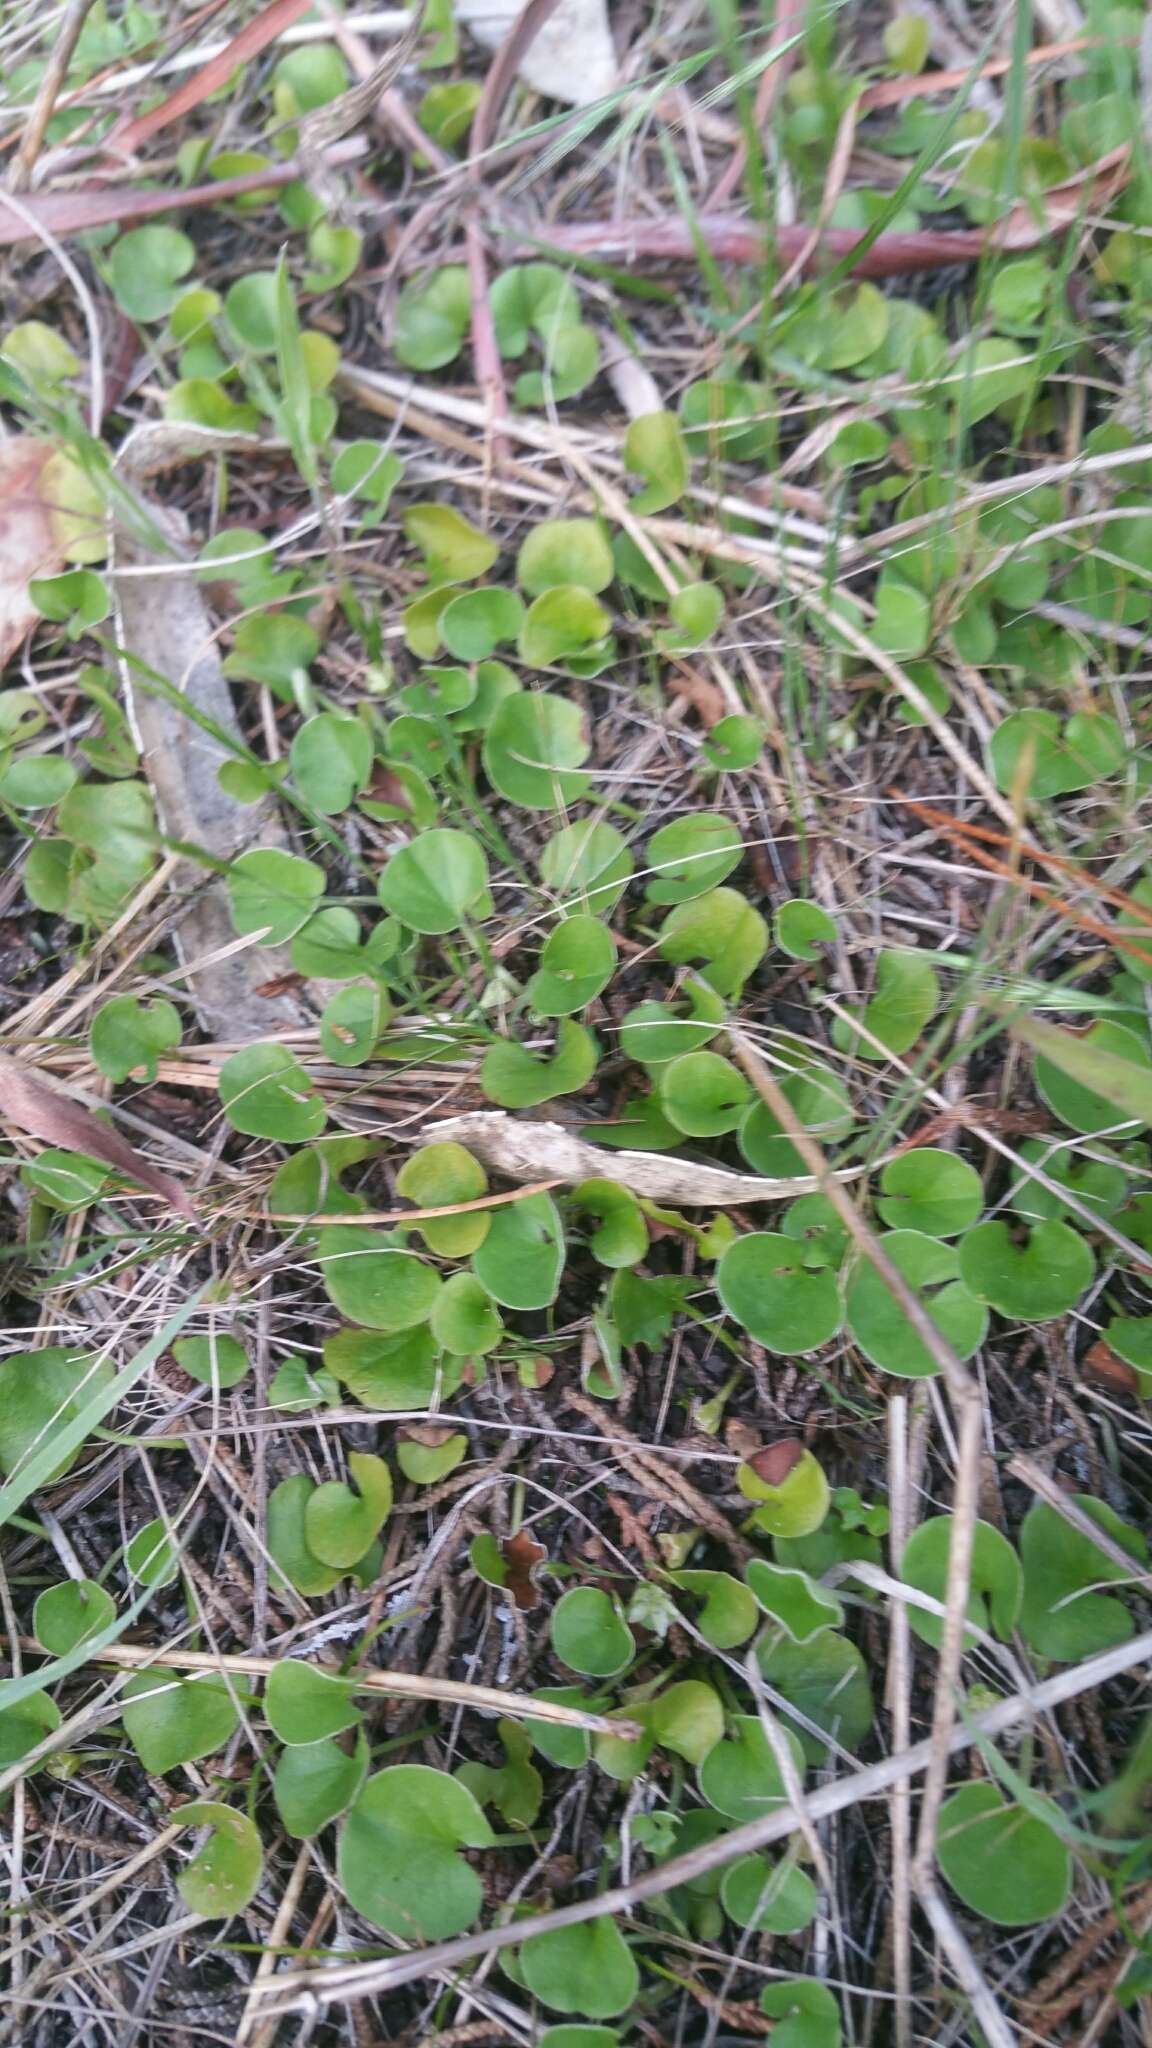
{"points": [[703, 1094], [906, 998], [930, 1191], [795, 1602], [522, 1257], [391, 1373], [315, 1782], [40, 1391], [373, 1280], [565, 551], [741, 1776], [214, 1360], [820, 1102], [224, 1876], [1004, 1862], [588, 1969], [802, 928], [287, 1545], [435, 882], [589, 1633], [398, 1859], [515, 1078], [331, 760], [1063, 1616], [435, 1177], [825, 1680], [303, 1705], [691, 856], [68, 1614], [477, 622], [763, 1282], [1030, 1276], [773, 1898], [171, 1721], [465, 1319], [729, 1614], [878, 1322], [996, 1584], [805, 2012], [577, 961], [1094, 1079], [128, 1037], [267, 1094], [339, 1524], [654, 449], [535, 749], [587, 865], [431, 318], [273, 893]]}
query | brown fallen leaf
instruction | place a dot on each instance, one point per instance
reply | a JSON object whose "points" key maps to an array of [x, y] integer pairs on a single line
{"points": [[1101, 1363], [523, 1557], [28, 545], [776, 1461], [42, 1108]]}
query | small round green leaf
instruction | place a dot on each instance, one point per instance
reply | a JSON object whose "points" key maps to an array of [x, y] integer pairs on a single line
{"points": [[588, 1969], [878, 1322], [1027, 1275], [930, 1191], [70, 1613], [1006, 1864], [214, 1360], [589, 1633], [435, 882], [763, 1282], [267, 1094], [397, 1859], [373, 1280]]}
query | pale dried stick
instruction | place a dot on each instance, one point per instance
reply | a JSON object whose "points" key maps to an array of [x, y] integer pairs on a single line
{"points": [[399, 1684], [317, 1988]]}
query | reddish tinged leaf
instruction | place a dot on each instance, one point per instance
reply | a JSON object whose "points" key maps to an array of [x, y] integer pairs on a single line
{"points": [[43, 1109], [776, 1461], [1101, 1363], [522, 1556], [28, 546]]}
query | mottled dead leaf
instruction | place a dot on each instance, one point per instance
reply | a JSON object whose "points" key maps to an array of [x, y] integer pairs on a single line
{"points": [[28, 545], [571, 57], [1101, 1363]]}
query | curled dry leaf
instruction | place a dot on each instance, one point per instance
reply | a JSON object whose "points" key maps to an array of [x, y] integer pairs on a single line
{"points": [[29, 546], [522, 1557], [43, 1109], [544, 1151]]}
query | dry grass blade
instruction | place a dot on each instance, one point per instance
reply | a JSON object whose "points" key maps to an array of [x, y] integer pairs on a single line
{"points": [[410, 1685]]}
